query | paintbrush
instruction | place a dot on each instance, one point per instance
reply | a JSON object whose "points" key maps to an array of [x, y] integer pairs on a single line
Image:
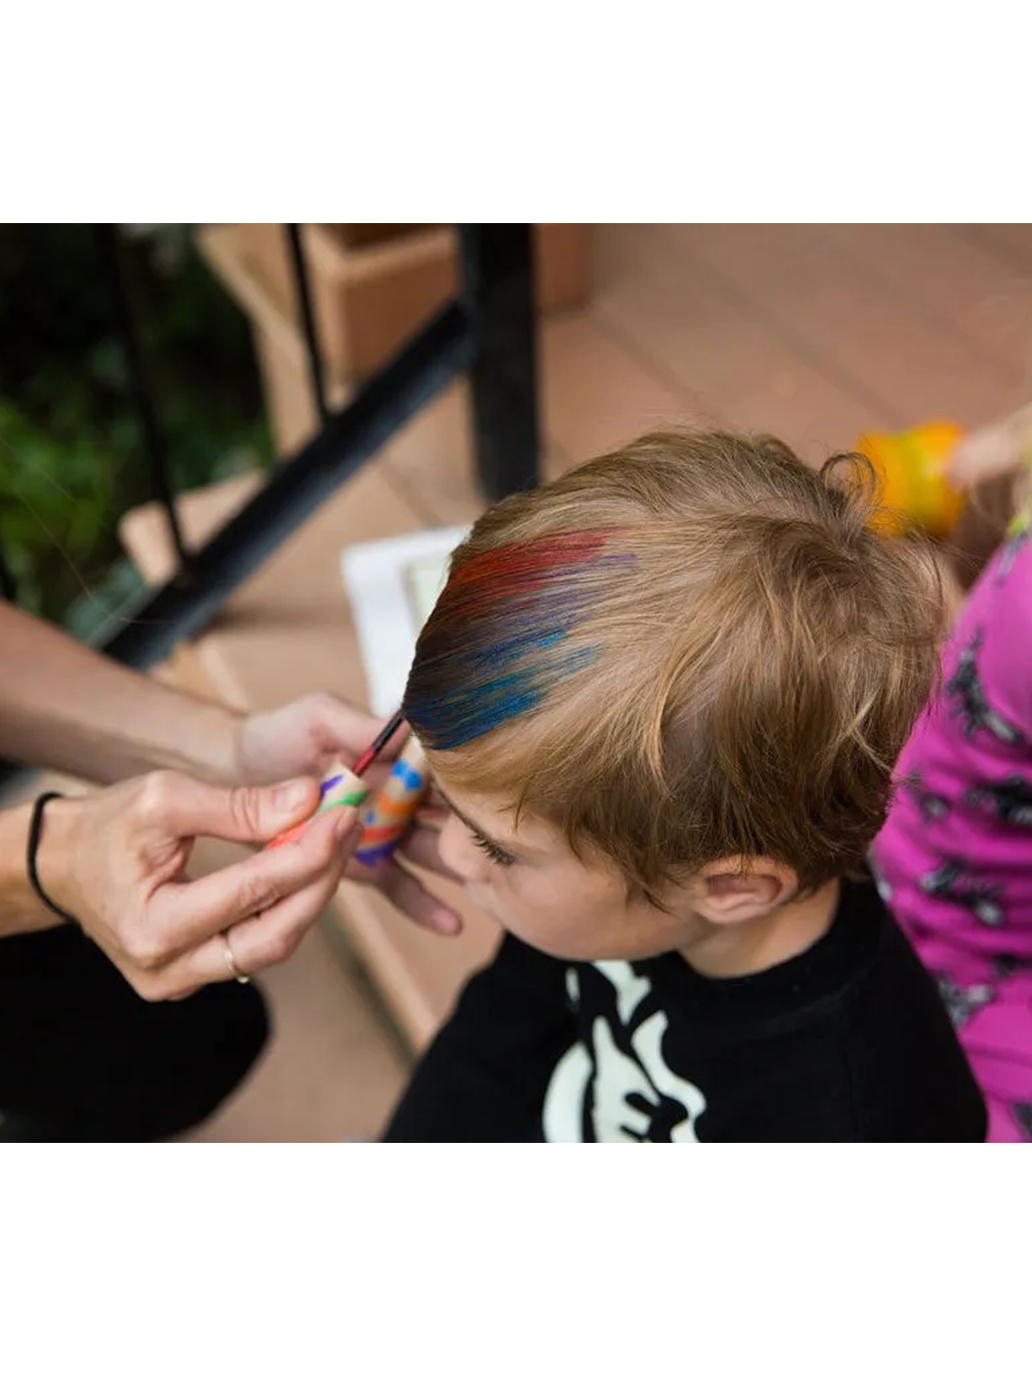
{"points": [[379, 742]]}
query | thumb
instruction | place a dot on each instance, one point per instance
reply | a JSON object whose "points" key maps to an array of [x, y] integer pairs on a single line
{"points": [[190, 808]]}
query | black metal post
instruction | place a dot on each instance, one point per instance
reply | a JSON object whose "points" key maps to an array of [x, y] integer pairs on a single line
{"points": [[141, 383], [8, 584], [498, 287], [302, 286]]}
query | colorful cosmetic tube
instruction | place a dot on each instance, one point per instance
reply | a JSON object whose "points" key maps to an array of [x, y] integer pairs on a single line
{"points": [[341, 787], [389, 816]]}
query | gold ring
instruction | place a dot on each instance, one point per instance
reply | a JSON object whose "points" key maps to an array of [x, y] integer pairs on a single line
{"points": [[231, 965]]}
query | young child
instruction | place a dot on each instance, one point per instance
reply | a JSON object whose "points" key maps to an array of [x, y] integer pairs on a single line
{"points": [[955, 858], [663, 696]]}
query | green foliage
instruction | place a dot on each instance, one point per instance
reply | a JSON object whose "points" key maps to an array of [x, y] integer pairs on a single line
{"points": [[72, 459]]}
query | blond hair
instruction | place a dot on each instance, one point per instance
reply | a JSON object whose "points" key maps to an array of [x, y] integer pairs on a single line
{"points": [[690, 649]]}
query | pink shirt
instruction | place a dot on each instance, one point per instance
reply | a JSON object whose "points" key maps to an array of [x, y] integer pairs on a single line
{"points": [[955, 858]]}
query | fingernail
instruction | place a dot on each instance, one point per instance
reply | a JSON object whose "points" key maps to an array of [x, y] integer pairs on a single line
{"points": [[290, 796]]}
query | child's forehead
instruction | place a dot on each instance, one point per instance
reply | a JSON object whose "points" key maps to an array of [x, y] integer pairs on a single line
{"points": [[494, 815], [495, 812]]}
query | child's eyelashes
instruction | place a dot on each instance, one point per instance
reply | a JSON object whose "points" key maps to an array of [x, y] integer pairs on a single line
{"points": [[498, 855]]}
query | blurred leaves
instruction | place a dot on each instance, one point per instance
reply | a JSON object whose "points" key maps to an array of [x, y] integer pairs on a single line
{"points": [[71, 454]]}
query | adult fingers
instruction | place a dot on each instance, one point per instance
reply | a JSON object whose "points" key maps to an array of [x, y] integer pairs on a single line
{"points": [[992, 451], [408, 895], [184, 807], [422, 847], [187, 914], [345, 729], [981, 460], [261, 941]]}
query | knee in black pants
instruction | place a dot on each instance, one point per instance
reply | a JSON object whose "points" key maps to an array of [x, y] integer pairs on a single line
{"points": [[83, 1057]]}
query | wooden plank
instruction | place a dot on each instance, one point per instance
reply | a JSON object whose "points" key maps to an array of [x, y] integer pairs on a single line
{"points": [[735, 367], [848, 322], [595, 395], [959, 284], [1011, 241]]}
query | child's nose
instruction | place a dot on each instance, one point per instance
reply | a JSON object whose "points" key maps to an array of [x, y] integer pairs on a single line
{"points": [[460, 852]]}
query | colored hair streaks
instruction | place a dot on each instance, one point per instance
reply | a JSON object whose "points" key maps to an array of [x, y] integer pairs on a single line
{"points": [[498, 640]]}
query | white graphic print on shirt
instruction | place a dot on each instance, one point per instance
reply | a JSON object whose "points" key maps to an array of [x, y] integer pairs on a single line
{"points": [[626, 1098]]}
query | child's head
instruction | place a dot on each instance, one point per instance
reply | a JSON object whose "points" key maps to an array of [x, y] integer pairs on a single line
{"points": [[672, 685]]}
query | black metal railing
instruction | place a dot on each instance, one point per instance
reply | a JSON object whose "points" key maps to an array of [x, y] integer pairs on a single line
{"points": [[113, 248], [487, 331]]}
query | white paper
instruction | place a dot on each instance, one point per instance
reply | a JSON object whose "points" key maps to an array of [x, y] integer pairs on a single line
{"points": [[392, 586]]}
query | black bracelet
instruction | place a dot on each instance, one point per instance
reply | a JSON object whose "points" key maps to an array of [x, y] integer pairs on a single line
{"points": [[35, 833]]}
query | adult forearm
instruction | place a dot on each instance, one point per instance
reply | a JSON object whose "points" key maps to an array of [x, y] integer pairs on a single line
{"points": [[65, 707]]}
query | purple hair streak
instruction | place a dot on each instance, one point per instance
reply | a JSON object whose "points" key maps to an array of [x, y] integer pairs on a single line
{"points": [[498, 640]]}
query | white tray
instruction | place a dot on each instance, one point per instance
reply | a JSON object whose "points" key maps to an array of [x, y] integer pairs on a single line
{"points": [[392, 586]]}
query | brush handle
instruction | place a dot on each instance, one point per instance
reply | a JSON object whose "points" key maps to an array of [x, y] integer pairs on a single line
{"points": [[389, 816], [340, 787]]}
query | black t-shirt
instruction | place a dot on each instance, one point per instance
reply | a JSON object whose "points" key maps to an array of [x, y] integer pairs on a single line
{"points": [[847, 1041]]}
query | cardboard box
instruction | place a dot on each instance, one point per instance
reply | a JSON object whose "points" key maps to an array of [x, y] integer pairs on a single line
{"points": [[360, 236], [374, 285], [368, 301]]}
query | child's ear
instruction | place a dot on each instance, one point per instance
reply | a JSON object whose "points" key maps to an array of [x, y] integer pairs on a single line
{"points": [[737, 889]]}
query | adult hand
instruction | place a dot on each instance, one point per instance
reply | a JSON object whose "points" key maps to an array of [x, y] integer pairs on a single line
{"points": [[116, 861], [999, 448], [306, 737]]}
